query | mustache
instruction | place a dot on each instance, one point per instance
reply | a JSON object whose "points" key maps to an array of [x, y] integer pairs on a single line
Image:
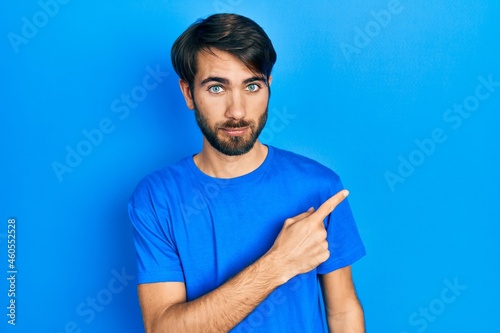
{"points": [[235, 124]]}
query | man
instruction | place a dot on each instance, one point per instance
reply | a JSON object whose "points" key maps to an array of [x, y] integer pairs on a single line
{"points": [[241, 237]]}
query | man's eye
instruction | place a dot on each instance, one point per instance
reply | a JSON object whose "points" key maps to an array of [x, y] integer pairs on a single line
{"points": [[253, 87], [215, 89]]}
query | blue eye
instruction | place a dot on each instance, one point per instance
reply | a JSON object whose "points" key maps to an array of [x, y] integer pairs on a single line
{"points": [[215, 89], [253, 87]]}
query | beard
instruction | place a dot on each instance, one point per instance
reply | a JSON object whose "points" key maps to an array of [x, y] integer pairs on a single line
{"points": [[233, 145]]}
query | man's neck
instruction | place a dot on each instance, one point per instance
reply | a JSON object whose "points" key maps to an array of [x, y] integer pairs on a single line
{"points": [[215, 164]]}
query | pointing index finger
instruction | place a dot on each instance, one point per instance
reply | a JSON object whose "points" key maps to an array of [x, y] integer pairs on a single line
{"points": [[329, 205]]}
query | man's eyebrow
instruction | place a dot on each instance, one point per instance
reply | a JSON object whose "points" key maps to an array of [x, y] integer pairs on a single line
{"points": [[226, 81], [255, 78], [214, 79]]}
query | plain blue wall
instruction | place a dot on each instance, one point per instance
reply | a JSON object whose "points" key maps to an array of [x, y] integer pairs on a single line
{"points": [[371, 89]]}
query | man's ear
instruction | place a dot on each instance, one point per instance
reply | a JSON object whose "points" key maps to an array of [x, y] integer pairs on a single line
{"points": [[186, 92], [269, 80]]}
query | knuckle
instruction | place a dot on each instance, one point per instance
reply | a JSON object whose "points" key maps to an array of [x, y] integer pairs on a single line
{"points": [[327, 254], [334, 204], [320, 234], [329, 205], [324, 234]]}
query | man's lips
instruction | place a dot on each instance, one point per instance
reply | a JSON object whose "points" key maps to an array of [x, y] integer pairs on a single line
{"points": [[235, 131]]}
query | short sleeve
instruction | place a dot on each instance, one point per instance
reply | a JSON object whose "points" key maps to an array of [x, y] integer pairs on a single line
{"points": [[344, 242], [157, 256]]}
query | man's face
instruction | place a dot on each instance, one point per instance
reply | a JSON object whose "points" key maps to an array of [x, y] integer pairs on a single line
{"points": [[229, 100]]}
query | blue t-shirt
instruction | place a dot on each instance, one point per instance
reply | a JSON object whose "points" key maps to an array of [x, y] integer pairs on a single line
{"points": [[193, 228]]}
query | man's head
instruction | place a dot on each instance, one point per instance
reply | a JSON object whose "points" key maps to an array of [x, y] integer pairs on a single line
{"points": [[224, 63], [232, 33]]}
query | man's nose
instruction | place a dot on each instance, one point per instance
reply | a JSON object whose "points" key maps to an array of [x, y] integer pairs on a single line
{"points": [[235, 107]]}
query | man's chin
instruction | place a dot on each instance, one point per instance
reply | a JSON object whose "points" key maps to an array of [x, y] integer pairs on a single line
{"points": [[234, 148]]}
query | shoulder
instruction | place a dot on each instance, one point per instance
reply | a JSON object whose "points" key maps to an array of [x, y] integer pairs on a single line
{"points": [[159, 183], [288, 161]]}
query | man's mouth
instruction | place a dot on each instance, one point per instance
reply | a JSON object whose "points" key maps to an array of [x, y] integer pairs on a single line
{"points": [[232, 131]]}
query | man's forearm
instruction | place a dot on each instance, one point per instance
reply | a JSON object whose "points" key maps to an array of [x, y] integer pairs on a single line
{"points": [[350, 321], [223, 308]]}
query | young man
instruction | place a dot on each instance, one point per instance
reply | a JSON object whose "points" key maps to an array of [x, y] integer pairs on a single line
{"points": [[241, 237]]}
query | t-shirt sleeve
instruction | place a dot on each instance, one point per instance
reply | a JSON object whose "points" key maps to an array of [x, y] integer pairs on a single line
{"points": [[344, 242], [157, 256]]}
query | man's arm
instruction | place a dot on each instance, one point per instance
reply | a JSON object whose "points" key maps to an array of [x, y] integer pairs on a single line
{"points": [[344, 312], [165, 309], [300, 247]]}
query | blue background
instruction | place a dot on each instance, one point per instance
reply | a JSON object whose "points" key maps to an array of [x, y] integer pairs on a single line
{"points": [[352, 92]]}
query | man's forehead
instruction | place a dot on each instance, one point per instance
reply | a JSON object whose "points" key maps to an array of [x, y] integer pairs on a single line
{"points": [[221, 64]]}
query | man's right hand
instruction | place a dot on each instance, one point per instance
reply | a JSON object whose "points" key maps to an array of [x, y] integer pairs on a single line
{"points": [[301, 244]]}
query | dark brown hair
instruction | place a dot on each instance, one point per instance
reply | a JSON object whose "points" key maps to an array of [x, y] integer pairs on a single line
{"points": [[232, 33]]}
